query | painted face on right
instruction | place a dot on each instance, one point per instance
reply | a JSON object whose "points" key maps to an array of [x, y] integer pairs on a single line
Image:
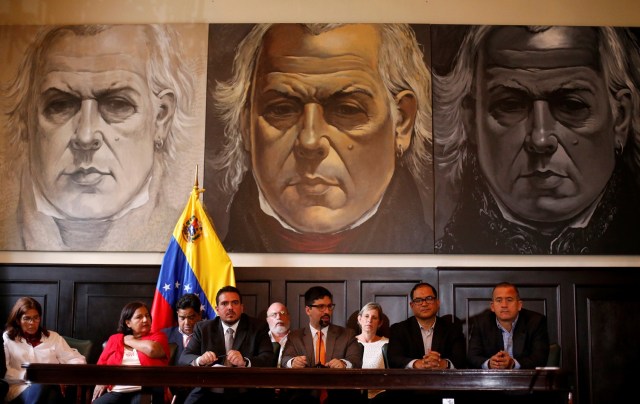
{"points": [[542, 121]]}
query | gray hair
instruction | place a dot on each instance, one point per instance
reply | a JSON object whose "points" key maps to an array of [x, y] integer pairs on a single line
{"points": [[372, 306], [620, 60], [401, 67], [166, 69]]}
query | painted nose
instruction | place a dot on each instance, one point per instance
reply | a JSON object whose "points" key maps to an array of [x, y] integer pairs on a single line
{"points": [[87, 137], [312, 143], [542, 138]]}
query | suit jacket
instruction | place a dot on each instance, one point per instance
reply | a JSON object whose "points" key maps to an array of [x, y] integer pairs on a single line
{"points": [[251, 339], [530, 339], [405, 342], [341, 344], [173, 335]]}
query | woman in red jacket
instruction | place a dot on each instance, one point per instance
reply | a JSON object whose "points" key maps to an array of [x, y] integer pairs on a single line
{"points": [[133, 345]]}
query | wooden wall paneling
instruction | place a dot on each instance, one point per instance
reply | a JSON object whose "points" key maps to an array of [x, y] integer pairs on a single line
{"points": [[468, 293], [608, 320], [351, 288], [45, 292], [392, 296], [99, 305], [255, 297]]}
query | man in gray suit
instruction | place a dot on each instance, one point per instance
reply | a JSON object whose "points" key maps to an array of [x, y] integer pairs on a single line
{"points": [[321, 344]]}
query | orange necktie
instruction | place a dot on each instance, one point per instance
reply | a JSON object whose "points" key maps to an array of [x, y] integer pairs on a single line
{"points": [[321, 358], [320, 350]]}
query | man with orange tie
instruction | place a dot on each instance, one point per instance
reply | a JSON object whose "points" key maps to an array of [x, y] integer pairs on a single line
{"points": [[321, 344]]}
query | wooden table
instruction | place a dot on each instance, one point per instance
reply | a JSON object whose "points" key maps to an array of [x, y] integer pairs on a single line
{"points": [[550, 381]]}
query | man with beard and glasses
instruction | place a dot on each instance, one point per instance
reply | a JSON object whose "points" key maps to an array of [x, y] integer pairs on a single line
{"points": [[321, 344], [279, 327]]}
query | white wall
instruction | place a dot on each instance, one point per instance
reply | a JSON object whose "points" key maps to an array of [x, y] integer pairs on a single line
{"points": [[543, 12]]}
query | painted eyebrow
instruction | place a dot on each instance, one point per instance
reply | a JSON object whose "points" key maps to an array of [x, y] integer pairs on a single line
{"points": [[53, 91], [341, 93]]}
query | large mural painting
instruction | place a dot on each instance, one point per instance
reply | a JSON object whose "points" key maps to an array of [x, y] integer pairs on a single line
{"points": [[323, 138], [102, 129], [319, 138], [536, 136]]}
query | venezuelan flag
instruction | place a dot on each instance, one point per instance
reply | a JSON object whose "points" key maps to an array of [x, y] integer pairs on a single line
{"points": [[195, 262]]}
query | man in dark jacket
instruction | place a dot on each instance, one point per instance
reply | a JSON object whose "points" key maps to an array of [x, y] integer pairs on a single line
{"points": [[231, 339], [508, 336], [426, 341]]}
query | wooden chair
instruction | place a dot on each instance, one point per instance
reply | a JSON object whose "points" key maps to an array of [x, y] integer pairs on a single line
{"points": [[83, 393], [554, 355]]}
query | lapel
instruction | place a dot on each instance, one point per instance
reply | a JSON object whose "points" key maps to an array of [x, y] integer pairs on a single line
{"points": [[240, 334], [519, 336], [416, 337], [309, 348], [330, 343]]}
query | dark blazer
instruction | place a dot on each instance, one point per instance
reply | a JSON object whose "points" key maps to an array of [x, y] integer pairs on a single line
{"points": [[4, 386], [405, 342], [251, 338], [530, 339], [341, 344], [173, 335]]}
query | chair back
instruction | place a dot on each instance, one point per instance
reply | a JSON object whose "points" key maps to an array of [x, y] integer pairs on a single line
{"points": [[82, 345], [385, 348], [554, 355]]}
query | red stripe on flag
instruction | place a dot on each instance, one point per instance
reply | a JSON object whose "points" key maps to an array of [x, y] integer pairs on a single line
{"points": [[161, 312]]}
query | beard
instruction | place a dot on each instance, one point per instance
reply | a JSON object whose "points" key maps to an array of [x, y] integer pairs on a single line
{"points": [[325, 321]]}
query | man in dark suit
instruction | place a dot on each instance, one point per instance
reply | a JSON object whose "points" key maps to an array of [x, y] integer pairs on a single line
{"points": [[425, 340], [189, 312], [248, 345], [508, 336], [337, 349]]}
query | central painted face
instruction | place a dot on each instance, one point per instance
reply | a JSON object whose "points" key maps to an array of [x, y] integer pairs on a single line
{"points": [[542, 121], [321, 133], [92, 146]]}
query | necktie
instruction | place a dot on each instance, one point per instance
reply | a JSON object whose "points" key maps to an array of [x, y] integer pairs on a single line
{"points": [[320, 358], [320, 350], [228, 339], [186, 340]]}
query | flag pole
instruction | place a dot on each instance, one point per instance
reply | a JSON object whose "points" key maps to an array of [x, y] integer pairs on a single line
{"points": [[195, 183]]}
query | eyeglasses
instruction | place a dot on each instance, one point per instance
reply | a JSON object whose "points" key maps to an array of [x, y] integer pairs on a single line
{"points": [[34, 319], [420, 300], [322, 307], [282, 313]]}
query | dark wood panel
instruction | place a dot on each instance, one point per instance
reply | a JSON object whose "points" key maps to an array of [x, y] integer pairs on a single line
{"points": [[608, 348], [255, 297], [46, 293]]}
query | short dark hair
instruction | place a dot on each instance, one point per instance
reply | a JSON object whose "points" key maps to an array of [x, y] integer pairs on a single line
{"points": [[506, 285], [127, 313], [314, 293], [422, 284], [189, 301], [228, 289]]}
